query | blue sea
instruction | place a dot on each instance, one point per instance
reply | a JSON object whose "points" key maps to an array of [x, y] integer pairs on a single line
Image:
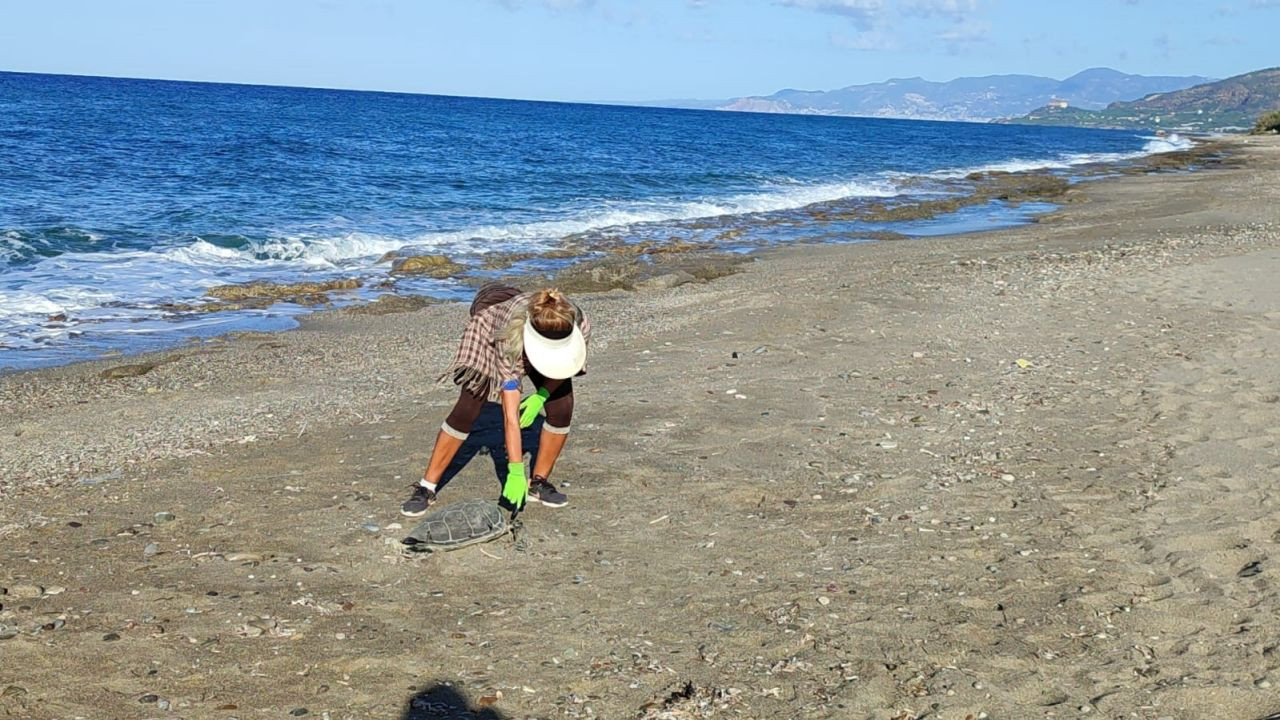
{"points": [[121, 197]]}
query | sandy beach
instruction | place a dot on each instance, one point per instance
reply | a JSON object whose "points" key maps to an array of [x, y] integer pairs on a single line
{"points": [[1019, 474]]}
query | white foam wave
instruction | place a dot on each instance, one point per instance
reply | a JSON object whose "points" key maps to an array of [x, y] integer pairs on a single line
{"points": [[319, 251], [137, 281], [783, 198], [201, 252], [25, 304], [1167, 143], [341, 250], [1154, 146]]}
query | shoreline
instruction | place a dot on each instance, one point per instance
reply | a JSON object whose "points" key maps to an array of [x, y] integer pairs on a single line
{"points": [[927, 205], [1029, 470], [125, 375]]}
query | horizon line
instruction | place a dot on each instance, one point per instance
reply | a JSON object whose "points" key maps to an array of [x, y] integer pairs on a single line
{"points": [[640, 103]]}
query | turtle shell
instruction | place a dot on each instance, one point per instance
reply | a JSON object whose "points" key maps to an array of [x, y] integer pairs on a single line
{"points": [[458, 525]]}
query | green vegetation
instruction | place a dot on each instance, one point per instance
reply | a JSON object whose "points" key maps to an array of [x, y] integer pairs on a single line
{"points": [[1268, 123], [1130, 119], [1230, 104]]}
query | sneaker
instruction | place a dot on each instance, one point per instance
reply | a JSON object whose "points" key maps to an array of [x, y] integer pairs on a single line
{"points": [[417, 504], [544, 492]]}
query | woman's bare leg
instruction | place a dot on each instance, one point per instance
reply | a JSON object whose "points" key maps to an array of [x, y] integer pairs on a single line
{"points": [[549, 447], [441, 455]]}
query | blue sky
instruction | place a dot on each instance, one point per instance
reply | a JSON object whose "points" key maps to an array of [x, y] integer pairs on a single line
{"points": [[629, 49]]}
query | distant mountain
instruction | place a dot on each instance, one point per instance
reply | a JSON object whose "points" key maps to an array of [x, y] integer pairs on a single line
{"points": [[967, 98], [1228, 104]]}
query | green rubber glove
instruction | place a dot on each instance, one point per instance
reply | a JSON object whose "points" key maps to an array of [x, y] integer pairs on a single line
{"points": [[531, 406], [516, 488]]}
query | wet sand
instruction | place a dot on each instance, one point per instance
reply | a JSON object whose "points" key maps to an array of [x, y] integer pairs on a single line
{"points": [[1019, 474]]}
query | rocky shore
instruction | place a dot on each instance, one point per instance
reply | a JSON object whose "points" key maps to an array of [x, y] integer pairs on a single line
{"points": [[1027, 473]]}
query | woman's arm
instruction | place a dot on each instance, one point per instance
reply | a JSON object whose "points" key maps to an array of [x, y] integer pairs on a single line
{"points": [[515, 488], [511, 424]]}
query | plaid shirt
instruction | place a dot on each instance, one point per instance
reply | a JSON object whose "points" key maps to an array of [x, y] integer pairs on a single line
{"points": [[485, 358]]}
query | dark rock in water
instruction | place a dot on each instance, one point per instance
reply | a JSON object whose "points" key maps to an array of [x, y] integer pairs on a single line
{"points": [[674, 245], [258, 295], [502, 261], [435, 266], [148, 698], [279, 291], [299, 712], [1020, 187], [128, 371]]}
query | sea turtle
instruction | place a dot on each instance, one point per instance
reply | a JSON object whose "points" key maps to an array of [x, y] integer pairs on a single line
{"points": [[463, 523]]}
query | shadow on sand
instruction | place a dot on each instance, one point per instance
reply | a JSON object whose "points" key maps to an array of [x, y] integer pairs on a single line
{"points": [[486, 439], [442, 702]]}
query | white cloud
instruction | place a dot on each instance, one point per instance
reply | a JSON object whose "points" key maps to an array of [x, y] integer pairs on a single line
{"points": [[879, 22], [869, 40], [963, 34], [957, 9], [864, 14], [553, 5]]}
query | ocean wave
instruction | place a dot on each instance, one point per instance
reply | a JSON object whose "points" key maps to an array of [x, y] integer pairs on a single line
{"points": [[319, 251], [200, 252], [1154, 146], [13, 248], [20, 304], [21, 245], [1167, 143], [141, 280], [358, 249], [779, 198]]}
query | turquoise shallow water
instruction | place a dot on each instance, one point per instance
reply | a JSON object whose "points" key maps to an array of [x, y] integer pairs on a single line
{"points": [[118, 197]]}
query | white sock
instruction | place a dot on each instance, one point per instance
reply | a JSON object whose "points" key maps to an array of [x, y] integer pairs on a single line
{"points": [[428, 485]]}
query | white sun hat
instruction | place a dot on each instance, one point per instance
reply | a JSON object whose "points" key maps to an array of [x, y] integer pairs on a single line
{"points": [[556, 358]]}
